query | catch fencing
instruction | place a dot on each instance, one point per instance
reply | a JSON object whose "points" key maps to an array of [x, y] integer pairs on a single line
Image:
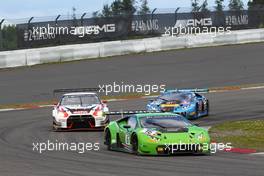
{"points": [[98, 29]]}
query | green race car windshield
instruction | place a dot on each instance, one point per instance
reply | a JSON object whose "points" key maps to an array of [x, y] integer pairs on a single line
{"points": [[164, 122]]}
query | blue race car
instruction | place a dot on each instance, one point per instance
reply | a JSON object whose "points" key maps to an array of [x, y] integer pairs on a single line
{"points": [[186, 102]]}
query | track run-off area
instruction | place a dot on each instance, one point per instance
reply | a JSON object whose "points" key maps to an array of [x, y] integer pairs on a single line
{"points": [[188, 68]]}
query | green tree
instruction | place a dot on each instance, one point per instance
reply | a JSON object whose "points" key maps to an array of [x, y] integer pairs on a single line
{"points": [[95, 14], [124, 9], [144, 9], [128, 7], [73, 13], [116, 8], [220, 12], [106, 12], [219, 5], [204, 7], [256, 4], [119, 7], [195, 5], [256, 12], [236, 5], [74, 18], [9, 37]]}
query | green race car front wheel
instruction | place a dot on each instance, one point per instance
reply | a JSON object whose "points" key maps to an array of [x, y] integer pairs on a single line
{"points": [[134, 143]]}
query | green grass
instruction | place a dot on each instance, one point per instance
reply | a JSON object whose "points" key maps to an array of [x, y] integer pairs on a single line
{"points": [[242, 134]]}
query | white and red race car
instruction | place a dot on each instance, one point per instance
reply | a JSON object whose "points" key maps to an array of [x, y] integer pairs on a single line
{"points": [[80, 110]]}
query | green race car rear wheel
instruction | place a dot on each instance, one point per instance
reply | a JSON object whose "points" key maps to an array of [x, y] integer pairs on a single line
{"points": [[108, 139]]}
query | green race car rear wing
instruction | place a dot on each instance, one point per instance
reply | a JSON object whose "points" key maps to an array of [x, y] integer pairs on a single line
{"points": [[131, 112]]}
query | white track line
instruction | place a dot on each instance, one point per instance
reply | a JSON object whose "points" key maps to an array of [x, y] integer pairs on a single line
{"points": [[10, 109], [253, 88], [206, 127], [259, 153], [143, 97]]}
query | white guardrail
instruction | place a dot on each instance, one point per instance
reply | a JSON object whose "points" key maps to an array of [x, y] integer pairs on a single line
{"points": [[28, 57]]}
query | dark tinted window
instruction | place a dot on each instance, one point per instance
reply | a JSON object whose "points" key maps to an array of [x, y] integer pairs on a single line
{"points": [[79, 100], [165, 122], [177, 97], [132, 121]]}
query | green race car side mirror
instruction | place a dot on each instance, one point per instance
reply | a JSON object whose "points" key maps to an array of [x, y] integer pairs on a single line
{"points": [[126, 126], [196, 124]]}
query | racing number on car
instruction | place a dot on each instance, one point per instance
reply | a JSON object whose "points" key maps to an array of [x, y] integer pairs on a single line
{"points": [[205, 105], [127, 139], [200, 106]]}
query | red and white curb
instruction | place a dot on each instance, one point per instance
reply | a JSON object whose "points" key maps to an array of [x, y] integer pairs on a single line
{"points": [[251, 152], [220, 147], [241, 151]]}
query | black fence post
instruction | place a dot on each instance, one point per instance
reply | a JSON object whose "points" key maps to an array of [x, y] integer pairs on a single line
{"points": [[152, 14], [29, 21], [1, 38], [176, 14], [82, 18], [56, 23], [56, 20]]}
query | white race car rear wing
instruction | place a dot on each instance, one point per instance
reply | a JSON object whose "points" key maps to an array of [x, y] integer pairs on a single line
{"points": [[75, 90]]}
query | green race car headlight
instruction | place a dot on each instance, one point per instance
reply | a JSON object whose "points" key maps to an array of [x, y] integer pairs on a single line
{"points": [[154, 135], [201, 137]]}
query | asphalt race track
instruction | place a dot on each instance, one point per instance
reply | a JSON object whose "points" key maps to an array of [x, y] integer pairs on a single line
{"points": [[19, 129], [204, 67], [200, 67]]}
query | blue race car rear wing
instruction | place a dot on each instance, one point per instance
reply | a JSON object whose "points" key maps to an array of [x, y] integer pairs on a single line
{"points": [[187, 90]]}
